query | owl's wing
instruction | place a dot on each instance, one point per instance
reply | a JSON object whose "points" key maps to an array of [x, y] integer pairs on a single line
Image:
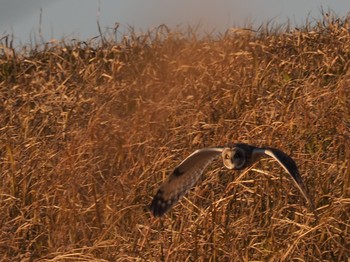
{"points": [[290, 167], [182, 179]]}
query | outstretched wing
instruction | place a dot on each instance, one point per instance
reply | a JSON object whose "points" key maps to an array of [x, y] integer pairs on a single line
{"points": [[183, 178], [290, 166]]}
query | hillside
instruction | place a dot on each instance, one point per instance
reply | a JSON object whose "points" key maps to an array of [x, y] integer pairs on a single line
{"points": [[88, 133]]}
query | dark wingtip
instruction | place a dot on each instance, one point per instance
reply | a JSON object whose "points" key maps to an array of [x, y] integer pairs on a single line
{"points": [[159, 205]]}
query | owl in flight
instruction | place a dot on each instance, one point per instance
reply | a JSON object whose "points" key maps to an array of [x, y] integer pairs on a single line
{"points": [[237, 157]]}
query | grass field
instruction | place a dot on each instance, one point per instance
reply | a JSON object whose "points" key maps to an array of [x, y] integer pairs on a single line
{"points": [[88, 133]]}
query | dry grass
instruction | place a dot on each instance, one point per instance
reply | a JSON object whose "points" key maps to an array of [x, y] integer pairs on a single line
{"points": [[88, 134]]}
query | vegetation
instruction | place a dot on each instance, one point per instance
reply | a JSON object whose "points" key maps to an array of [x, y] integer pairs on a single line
{"points": [[88, 132]]}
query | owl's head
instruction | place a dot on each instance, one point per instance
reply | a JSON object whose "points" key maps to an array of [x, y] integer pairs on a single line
{"points": [[234, 158]]}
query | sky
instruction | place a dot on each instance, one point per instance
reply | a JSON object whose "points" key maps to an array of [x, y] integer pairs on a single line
{"points": [[67, 19]]}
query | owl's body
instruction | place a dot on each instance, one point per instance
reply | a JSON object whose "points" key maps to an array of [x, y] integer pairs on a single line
{"points": [[237, 157]]}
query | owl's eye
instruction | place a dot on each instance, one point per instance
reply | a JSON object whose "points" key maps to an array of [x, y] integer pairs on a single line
{"points": [[237, 155]]}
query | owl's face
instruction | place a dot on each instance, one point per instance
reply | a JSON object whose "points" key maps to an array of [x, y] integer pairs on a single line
{"points": [[233, 158]]}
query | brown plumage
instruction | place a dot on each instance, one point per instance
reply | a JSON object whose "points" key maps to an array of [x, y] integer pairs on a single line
{"points": [[237, 156]]}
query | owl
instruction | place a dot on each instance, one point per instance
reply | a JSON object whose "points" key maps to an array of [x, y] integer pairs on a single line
{"points": [[237, 157]]}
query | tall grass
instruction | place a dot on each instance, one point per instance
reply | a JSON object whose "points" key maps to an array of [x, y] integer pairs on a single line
{"points": [[88, 133]]}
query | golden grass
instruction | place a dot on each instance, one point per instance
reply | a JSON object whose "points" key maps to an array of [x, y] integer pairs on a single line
{"points": [[88, 134]]}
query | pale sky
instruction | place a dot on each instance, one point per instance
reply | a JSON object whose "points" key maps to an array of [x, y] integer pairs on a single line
{"points": [[77, 18]]}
